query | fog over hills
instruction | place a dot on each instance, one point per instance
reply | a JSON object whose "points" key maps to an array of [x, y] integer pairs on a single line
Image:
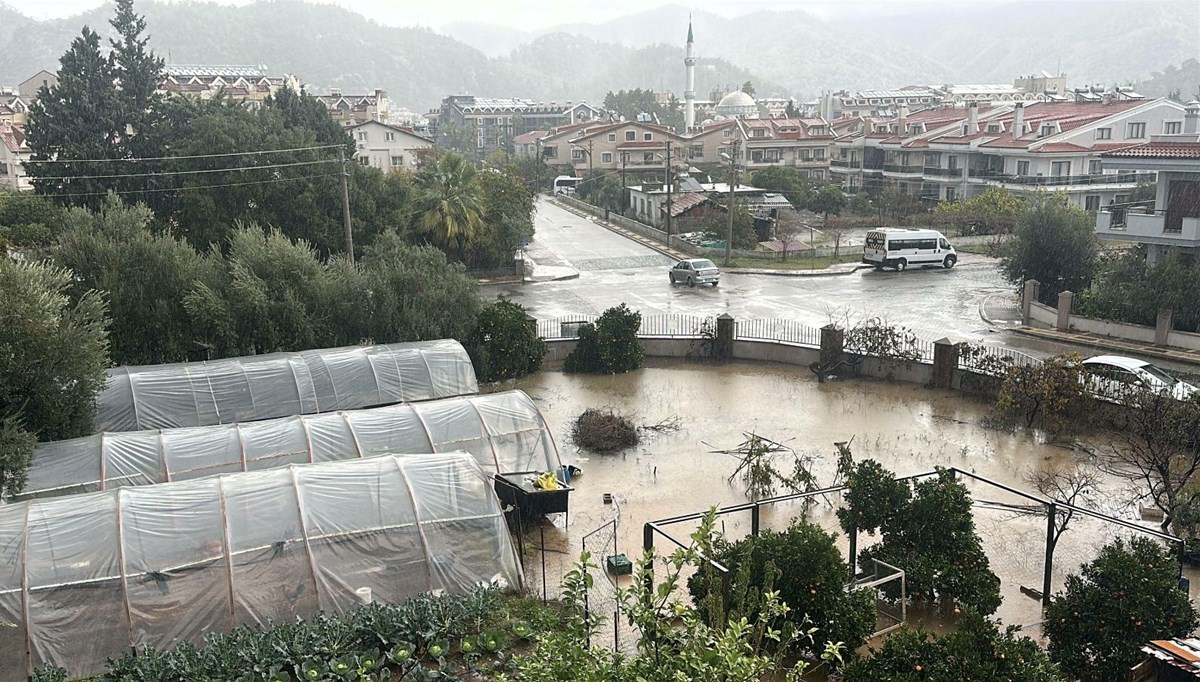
{"points": [[784, 53]]}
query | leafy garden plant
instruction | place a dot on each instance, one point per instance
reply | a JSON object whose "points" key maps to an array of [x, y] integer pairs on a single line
{"points": [[504, 344], [610, 346]]}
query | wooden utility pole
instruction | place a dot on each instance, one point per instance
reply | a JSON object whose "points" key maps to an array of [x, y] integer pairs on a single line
{"points": [[349, 233]]}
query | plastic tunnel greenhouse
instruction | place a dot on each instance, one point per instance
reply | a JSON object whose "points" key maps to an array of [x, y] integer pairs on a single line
{"points": [[505, 432], [90, 576], [282, 384]]}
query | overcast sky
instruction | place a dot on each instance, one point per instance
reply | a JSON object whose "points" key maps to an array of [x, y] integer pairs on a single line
{"points": [[528, 14]]}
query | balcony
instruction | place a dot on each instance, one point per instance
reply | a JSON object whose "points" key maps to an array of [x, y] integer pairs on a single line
{"points": [[1132, 179], [953, 173], [842, 163], [1141, 223], [905, 170]]}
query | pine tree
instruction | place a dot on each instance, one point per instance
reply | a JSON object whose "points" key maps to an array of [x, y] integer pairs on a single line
{"points": [[76, 119]]}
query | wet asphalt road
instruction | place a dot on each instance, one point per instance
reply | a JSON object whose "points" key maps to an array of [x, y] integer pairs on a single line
{"points": [[613, 270], [933, 302]]}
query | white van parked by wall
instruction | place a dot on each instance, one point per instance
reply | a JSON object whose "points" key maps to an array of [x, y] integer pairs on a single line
{"points": [[896, 247]]}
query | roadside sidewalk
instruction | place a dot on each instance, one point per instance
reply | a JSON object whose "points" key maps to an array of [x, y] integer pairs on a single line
{"points": [[1116, 345]]}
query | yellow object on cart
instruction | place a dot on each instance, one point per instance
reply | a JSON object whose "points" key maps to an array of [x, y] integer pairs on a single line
{"points": [[546, 481]]}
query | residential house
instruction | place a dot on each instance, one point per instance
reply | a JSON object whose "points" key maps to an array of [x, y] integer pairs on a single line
{"points": [[648, 201], [629, 147], [494, 121], [30, 87], [388, 147], [13, 152], [352, 109], [803, 143], [14, 108], [1054, 146], [249, 85], [1173, 218], [526, 145]]}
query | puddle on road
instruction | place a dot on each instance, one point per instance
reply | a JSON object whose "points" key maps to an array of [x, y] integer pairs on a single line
{"points": [[909, 429]]}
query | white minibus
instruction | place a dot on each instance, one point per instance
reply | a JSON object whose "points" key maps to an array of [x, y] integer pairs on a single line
{"points": [[895, 247]]}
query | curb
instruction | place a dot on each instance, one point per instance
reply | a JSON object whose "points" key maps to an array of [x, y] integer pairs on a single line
{"points": [[1098, 342], [824, 272]]}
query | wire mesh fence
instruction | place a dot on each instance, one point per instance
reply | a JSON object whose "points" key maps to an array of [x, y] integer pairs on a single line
{"points": [[603, 597]]}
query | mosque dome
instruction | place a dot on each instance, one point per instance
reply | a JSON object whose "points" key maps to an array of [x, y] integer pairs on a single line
{"points": [[737, 104]]}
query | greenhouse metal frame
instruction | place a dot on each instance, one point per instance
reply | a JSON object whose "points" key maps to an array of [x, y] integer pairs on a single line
{"points": [[282, 384], [505, 432], [92, 576]]}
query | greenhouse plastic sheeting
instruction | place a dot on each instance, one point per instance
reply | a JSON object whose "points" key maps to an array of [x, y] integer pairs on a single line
{"points": [[282, 384], [504, 431], [88, 577]]}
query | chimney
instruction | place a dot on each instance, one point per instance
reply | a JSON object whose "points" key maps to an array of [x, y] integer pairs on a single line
{"points": [[1191, 118], [972, 118], [1018, 127], [902, 119]]}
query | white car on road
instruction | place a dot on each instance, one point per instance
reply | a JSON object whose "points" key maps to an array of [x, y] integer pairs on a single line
{"points": [[1114, 376], [695, 271]]}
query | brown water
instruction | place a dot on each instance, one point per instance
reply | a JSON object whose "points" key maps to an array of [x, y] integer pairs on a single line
{"points": [[907, 428]]}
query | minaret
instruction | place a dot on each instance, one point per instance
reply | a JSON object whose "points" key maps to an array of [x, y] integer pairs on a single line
{"points": [[689, 95]]}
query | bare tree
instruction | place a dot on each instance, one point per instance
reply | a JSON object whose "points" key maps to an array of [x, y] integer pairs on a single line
{"points": [[788, 226], [1073, 485], [836, 231], [1158, 449]]}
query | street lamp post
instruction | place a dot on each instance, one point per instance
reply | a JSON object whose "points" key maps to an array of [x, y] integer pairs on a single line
{"points": [[667, 177]]}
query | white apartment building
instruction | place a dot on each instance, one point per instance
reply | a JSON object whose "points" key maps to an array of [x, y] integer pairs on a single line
{"points": [[803, 143], [13, 152], [388, 147]]}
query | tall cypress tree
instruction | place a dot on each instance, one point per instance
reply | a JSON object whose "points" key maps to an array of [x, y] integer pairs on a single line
{"points": [[73, 122], [138, 73]]}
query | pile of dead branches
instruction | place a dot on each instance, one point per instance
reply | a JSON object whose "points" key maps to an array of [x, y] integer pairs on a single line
{"points": [[604, 431]]}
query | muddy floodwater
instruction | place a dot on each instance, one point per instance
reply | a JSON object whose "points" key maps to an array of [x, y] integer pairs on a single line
{"points": [[909, 429]]}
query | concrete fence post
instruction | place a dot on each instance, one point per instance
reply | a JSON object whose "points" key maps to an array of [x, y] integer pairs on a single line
{"points": [[531, 323], [1162, 326], [1065, 301], [945, 363], [726, 327], [833, 343], [1029, 295]]}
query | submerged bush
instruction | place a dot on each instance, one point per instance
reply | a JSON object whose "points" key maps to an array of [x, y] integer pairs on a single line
{"points": [[610, 346]]}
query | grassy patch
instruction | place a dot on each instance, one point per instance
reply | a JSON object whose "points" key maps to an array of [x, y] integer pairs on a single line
{"points": [[797, 261]]}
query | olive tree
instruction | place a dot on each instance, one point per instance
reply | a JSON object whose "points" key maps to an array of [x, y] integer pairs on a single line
{"points": [[1054, 243]]}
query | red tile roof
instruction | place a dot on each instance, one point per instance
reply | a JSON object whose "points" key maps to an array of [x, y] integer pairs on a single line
{"points": [[530, 137], [1158, 150], [652, 144], [682, 203], [1055, 147], [13, 138]]}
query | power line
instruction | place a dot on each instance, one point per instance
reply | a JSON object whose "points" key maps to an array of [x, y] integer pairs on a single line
{"points": [[180, 189], [192, 172], [196, 156]]}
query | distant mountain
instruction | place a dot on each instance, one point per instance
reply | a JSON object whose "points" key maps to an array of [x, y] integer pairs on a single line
{"points": [[491, 39], [1185, 79], [1095, 42], [327, 46]]}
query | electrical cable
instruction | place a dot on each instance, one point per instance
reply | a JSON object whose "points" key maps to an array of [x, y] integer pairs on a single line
{"points": [[196, 156], [193, 172], [181, 189]]}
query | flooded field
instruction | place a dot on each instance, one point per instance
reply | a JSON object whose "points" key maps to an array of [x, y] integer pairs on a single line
{"points": [[909, 429]]}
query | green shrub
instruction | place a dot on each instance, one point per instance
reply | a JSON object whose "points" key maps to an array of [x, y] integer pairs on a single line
{"points": [[1127, 596], [610, 346], [977, 649], [504, 345], [805, 566]]}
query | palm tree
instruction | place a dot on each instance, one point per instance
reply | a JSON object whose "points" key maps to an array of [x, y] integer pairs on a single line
{"points": [[448, 205]]}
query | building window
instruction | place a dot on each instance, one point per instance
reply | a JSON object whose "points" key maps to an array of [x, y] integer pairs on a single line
{"points": [[818, 174], [1022, 168], [606, 157], [696, 151], [726, 133], [1093, 166], [759, 132], [1172, 127], [648, 157], [612, 137], [1137, 130], [1060, 168], [806, 155], [952, 163], [993, 127], [1047, 130], [1092, 202], [362, 136], [951, 193], [630, 135], [1103, 133], [647, 137], [389, 137], [720, 151], [819, 154], [550, 152], [933, 159], [577, 155], [397, 161], [364, 160]]}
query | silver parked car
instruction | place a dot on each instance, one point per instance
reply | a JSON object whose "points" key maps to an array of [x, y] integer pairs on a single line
{"points": [[695, 271]]}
